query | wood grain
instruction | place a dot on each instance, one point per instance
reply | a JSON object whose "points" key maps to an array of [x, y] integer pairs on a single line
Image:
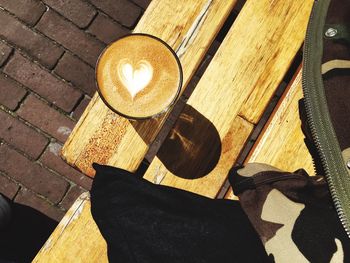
{"points": [[209, 183], [244, 63], [76, 238], [101, 136], [241, 78], [281, 31], [281, 142]]}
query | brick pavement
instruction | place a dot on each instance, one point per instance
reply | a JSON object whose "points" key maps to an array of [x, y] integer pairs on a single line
{"points": [[48, 50]]}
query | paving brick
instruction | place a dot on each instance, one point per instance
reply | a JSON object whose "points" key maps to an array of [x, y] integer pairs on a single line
{"points": [[11, 93], [29, 10], [42, 82], [123, 11], [70, 36], [76, 71], [52, 159], [32, 175], [28, 198], [81, 107], [46, 118], [111, 30], [36, 45], [143, 3], [72, 196], [16, 133], [5, 51], [77, 11], [7, 187]]}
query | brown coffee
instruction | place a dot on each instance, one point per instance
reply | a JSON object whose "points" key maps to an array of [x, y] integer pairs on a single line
{"points": [[138, 76]]}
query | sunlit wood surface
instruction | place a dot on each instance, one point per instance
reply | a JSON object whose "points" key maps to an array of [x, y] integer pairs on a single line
{"points": [[76, 238], [281, 143], [233, 93], [228, 101], [189, 27]]}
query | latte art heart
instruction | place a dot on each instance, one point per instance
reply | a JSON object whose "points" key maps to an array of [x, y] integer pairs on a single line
{"points": [[138, 76], [135, 79]]}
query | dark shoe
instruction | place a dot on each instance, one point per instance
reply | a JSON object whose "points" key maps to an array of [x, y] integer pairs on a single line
{"points": [[5, 212], [326, 86]]}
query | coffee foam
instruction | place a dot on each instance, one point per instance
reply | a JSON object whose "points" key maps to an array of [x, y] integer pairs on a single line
{"points": [[138, 76], [135, 79]]}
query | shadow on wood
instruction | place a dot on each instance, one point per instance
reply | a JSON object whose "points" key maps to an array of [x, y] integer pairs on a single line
{"points": [[193, 147], [142, 128]]}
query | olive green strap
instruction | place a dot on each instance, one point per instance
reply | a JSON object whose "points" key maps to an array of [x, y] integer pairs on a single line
{"points": [[335, 64]]}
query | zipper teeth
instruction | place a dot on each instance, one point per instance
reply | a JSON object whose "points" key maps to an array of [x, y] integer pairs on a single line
{"points": [[314, 134]]}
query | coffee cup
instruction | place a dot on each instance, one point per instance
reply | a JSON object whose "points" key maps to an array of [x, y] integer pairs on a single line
{"points": [[139, 76]]}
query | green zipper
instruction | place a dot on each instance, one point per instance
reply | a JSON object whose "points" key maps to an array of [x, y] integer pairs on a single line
{"points": [[318, 117]]}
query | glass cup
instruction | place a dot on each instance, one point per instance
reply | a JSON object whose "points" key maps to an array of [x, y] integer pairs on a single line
{"points": [[139, 76]]}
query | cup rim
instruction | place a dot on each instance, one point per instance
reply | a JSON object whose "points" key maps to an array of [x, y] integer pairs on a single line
{"points": [[178, 89]]}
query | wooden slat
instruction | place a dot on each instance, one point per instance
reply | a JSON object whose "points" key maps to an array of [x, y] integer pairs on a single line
{"points": [[76, 238], [241, 78], [101, 136], [281, 143], [274, 66], [233, 140], [236, 71]]}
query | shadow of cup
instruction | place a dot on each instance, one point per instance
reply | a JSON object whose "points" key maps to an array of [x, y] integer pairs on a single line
{"points": [[193, 147]]}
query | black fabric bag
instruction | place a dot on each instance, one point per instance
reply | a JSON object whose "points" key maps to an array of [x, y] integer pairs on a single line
{"points": [[144, 222]]}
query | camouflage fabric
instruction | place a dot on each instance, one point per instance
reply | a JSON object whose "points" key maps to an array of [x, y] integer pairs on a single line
{"points": [[293, 214]]}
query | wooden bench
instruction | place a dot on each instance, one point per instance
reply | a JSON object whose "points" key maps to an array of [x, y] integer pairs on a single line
{"points": [[222, 112]]}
